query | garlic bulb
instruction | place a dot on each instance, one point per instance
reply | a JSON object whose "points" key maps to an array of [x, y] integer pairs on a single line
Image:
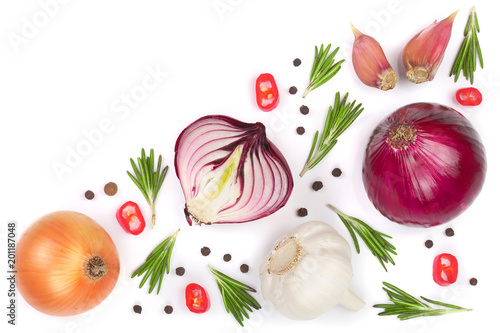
{"points": [[308, 272]]}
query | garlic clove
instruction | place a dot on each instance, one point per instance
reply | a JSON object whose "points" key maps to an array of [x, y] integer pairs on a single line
{"points": [[370, 63], [351, 301], [423, 54]]}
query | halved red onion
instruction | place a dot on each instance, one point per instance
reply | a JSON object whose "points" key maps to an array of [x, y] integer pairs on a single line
{"points": [[424, 165], [230, 172]]}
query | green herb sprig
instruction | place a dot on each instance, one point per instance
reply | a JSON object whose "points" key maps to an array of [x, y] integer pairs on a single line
{"points": [[470, 50], [339, 117], [323, 69], [405, 306], [147, 179], [157, 264], [237, 300], [375, 240]]}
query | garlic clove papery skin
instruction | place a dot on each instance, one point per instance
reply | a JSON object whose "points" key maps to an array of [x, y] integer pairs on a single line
{"points": [[424, 53], [308, 272], [370, 63]]}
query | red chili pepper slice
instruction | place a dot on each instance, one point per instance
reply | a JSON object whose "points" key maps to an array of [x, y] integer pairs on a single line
{"points": [[197, 299], [130, 217], [445, 269], [469, 96], [267, 92]]}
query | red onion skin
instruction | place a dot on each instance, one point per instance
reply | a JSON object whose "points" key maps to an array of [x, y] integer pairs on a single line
{"points": [[436, 177]]}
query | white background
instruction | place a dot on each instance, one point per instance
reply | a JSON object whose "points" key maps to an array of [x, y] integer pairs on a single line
{"points": [[71, 73]]}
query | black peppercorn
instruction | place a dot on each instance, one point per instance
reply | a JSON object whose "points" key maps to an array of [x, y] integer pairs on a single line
{"points": [[297, 62], [168, 309], [293, 90], [137, 309], [473, 281], [429, 244], [304, 110], [89, 195], [336, 172], [449, 232], [302, 212], [244, 268], [205, 251], [180, 271], [317, 185], [227, 257], [300, 130]]}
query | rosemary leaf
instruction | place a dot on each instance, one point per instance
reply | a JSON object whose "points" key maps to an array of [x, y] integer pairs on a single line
{"points": [[406, 306], [375, 240], [157, 264], [451, 306], [235, 296], [338, 118], [323, 69], [470, 50], [147, 179], [351, 232]]}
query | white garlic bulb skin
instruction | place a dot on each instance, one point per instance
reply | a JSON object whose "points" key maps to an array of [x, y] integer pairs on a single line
{"points": [[308, 272]]}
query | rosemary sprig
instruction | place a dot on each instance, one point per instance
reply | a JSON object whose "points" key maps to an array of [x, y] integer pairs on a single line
{"points": [[157, 264], [237, 300], [324, 68], [147, 179], [405, 306], [469, 51], [339, 117], [375, 240]]}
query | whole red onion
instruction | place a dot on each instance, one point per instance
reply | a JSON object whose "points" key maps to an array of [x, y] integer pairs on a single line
{"points": [[424, 165]]}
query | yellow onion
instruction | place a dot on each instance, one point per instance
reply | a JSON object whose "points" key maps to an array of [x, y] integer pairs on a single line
{"points": [[423, 54], [370, 63], [66, 264]]}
